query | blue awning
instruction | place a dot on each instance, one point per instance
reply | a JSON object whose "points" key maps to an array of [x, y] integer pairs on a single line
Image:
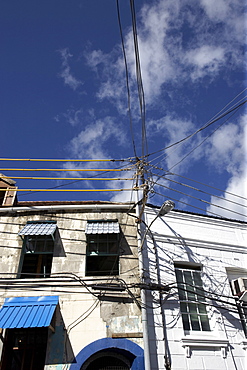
{"points": [[27, 312]]}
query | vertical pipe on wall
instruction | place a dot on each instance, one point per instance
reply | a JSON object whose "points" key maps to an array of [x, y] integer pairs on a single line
{"points": [[143, 293]]}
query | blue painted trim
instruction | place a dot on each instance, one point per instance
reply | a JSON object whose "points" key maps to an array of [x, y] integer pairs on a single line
{"points": [[107, 343]]}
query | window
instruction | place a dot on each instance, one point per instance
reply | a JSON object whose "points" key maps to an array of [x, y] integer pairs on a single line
{"points": [[26, 321], [38, 247], [25, 349], [192, 298], [102, 256], [238, 284]]}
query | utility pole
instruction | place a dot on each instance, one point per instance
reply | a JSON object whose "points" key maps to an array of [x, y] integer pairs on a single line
{"points": [[139, 214]]}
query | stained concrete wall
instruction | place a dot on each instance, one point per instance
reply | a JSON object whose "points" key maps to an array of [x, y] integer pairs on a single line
{"points": [[82, 317], [220, 247]]}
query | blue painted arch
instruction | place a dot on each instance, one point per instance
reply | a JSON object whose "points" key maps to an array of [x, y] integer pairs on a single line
{"points": [[127, 346]]}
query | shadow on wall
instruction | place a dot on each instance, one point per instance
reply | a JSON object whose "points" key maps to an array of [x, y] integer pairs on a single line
{"points": [[58, 246], [59, 349]]}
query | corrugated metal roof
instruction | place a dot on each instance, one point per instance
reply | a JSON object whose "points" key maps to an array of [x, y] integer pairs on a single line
{"points": [[45, 228], [103, 227], [27, 312]]}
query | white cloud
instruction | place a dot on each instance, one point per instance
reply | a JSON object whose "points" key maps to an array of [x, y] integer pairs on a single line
{"points": [[237, 185], [178, 42], [205, 61], [173, 129], [125, 195], [216, 10], [74, 116], [229, 12], [228, 151], [66, 74], [93, 141]]}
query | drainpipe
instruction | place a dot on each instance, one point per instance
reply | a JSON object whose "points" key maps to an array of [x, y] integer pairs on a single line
{"points": [[143, 293], [65, 207], [166, 207]]}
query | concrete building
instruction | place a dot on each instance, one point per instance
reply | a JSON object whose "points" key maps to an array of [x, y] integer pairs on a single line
{"points": [[199, 319], [69, 286]]}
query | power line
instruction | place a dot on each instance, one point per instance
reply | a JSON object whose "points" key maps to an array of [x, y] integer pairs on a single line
{"points": [[139, 79], [73, 182], [69, 190], [61, 160], [200, 129], [198, 182], [187, 204], [197, 146], [127, 78], [66, 178], [65, 170], [204, 201], [201, 191]]}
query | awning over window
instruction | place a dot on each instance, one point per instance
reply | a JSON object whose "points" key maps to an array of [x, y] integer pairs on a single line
{"points": [[102, 227], [40, 228], [27, 312]]}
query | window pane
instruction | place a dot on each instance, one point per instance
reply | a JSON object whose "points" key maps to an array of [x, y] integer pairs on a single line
{"points": [[200, 296], [186, 323], [188, 277], [192, 307], [181, 293], [102, 265], [194, 322], [103, 247], [202, 308], [49, 245], [197, 278], [113, 247], [190, 293], [205, 322], [183, 307], [179, 276], [40, 245], [30, 245]]}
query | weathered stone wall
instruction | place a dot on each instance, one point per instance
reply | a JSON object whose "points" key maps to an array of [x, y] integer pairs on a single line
{"points": [[82, 317]]}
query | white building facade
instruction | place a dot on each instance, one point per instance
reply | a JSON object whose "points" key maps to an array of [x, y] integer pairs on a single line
{"points": [[195, 321]]}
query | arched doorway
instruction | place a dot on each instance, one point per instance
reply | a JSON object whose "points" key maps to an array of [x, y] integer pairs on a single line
{"points": [[107, 360], [110, 354]]}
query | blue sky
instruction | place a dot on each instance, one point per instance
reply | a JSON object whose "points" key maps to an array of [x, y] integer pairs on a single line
{"points": [[63, 96]]}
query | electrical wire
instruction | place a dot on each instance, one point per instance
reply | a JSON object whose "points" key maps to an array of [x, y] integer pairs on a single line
{"points": [[139, 79], [198, 182], [222, 110], [127, 78], [203, 201], [66, 178], [73, 182], [201, 191], [187, 204], [65, 170], [69, 190], [62, 160], [202, 142], [199, 130]]}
